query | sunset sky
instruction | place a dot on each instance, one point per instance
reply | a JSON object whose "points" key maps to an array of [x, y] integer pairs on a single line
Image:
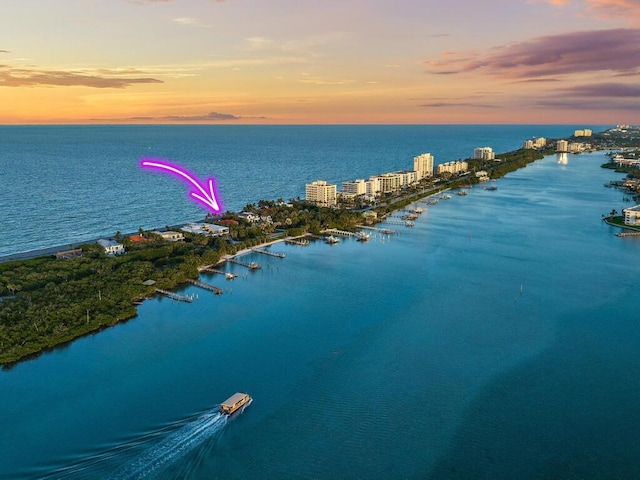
{"points": [[311, 61]]}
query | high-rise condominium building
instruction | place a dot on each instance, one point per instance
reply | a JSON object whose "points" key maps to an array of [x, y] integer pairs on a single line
{"points": [[321, 193], [423, 164]]}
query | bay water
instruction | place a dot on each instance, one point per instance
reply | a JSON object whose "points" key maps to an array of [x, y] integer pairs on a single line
{"points": [[495, 339]]}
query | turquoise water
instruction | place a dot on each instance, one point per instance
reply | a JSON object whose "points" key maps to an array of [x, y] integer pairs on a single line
{"points": [[495, 339]]}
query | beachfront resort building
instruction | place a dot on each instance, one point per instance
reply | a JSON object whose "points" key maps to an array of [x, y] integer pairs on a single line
{"points": [[632, 215], [321, 193], [423, 165], [111, 247], [528, 144], [357, 187], [484, 153], [453, 167], [562, 146]]}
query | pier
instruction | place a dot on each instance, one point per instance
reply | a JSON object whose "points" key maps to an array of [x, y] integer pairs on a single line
{"points": [[251, 266], [342, 233], [267, 252], [206, 286], [386, 231], [175, 296], [227, 275], [628, 234], [302, 242], [406, 223]]}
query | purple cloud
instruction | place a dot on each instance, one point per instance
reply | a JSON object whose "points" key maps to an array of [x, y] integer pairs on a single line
{"points": [[604, 50], [454, 105], [607, 90]]}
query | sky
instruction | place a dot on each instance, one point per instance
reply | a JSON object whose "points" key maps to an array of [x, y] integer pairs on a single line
{"points": [[320, 62]]}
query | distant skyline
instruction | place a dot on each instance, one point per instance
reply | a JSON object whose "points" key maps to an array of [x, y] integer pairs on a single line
{"points": [[312, 62]]}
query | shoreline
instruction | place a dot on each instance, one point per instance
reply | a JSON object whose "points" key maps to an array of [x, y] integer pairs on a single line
{"points": [[392, 205]]}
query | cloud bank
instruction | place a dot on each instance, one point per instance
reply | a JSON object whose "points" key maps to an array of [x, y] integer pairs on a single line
{"points": [[591, 51], [22, 77]]}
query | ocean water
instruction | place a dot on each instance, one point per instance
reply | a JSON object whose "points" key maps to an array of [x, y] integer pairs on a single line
{"points": [[67, 184], [495, 339]]}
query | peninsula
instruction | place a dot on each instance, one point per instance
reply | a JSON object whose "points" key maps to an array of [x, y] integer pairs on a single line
{"points": [[50, 300]]}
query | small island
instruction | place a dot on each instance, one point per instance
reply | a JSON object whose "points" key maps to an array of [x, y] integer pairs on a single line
{"points": [[52, 299]]}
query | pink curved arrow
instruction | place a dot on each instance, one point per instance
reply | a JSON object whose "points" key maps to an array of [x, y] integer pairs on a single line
{"points": [[206, 198]]}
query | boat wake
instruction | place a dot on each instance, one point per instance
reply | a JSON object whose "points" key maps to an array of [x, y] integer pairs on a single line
{"points": [[179, 443]]}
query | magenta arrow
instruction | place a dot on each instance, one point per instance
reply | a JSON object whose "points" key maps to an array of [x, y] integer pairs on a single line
{"points": [[206, 198]]}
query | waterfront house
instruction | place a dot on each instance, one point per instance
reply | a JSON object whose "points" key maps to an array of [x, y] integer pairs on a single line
{"points": [[171, 236], [139, 239], [632, 215], [111, 247], [206, 229]]}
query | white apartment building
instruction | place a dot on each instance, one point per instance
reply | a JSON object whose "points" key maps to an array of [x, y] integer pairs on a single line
{"points": [[423, 165], [528, 144], [357, 187], [484, 153], [390, 182], [453, 167], [373, 187], [407, 177], [321, 193], [632, 215], [562, 146]]}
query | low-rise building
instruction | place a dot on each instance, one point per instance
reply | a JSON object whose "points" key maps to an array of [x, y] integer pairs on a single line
{"points": [[206, 229], [171, 236], [111, 247], [632, 215]]}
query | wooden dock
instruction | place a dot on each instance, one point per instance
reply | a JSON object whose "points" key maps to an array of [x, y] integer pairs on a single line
{"points": [[342, 233], [206, 286], [227, 275], [302, 242], [386, 231], [267, 252], [252, 265], [175, 296], [406, 223]]}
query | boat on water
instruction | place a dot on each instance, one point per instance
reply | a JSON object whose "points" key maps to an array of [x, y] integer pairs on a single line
{"points": [[445, 197], [461, 192], [332, 240], [491, 187], [236, 402], [363, 237]]}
